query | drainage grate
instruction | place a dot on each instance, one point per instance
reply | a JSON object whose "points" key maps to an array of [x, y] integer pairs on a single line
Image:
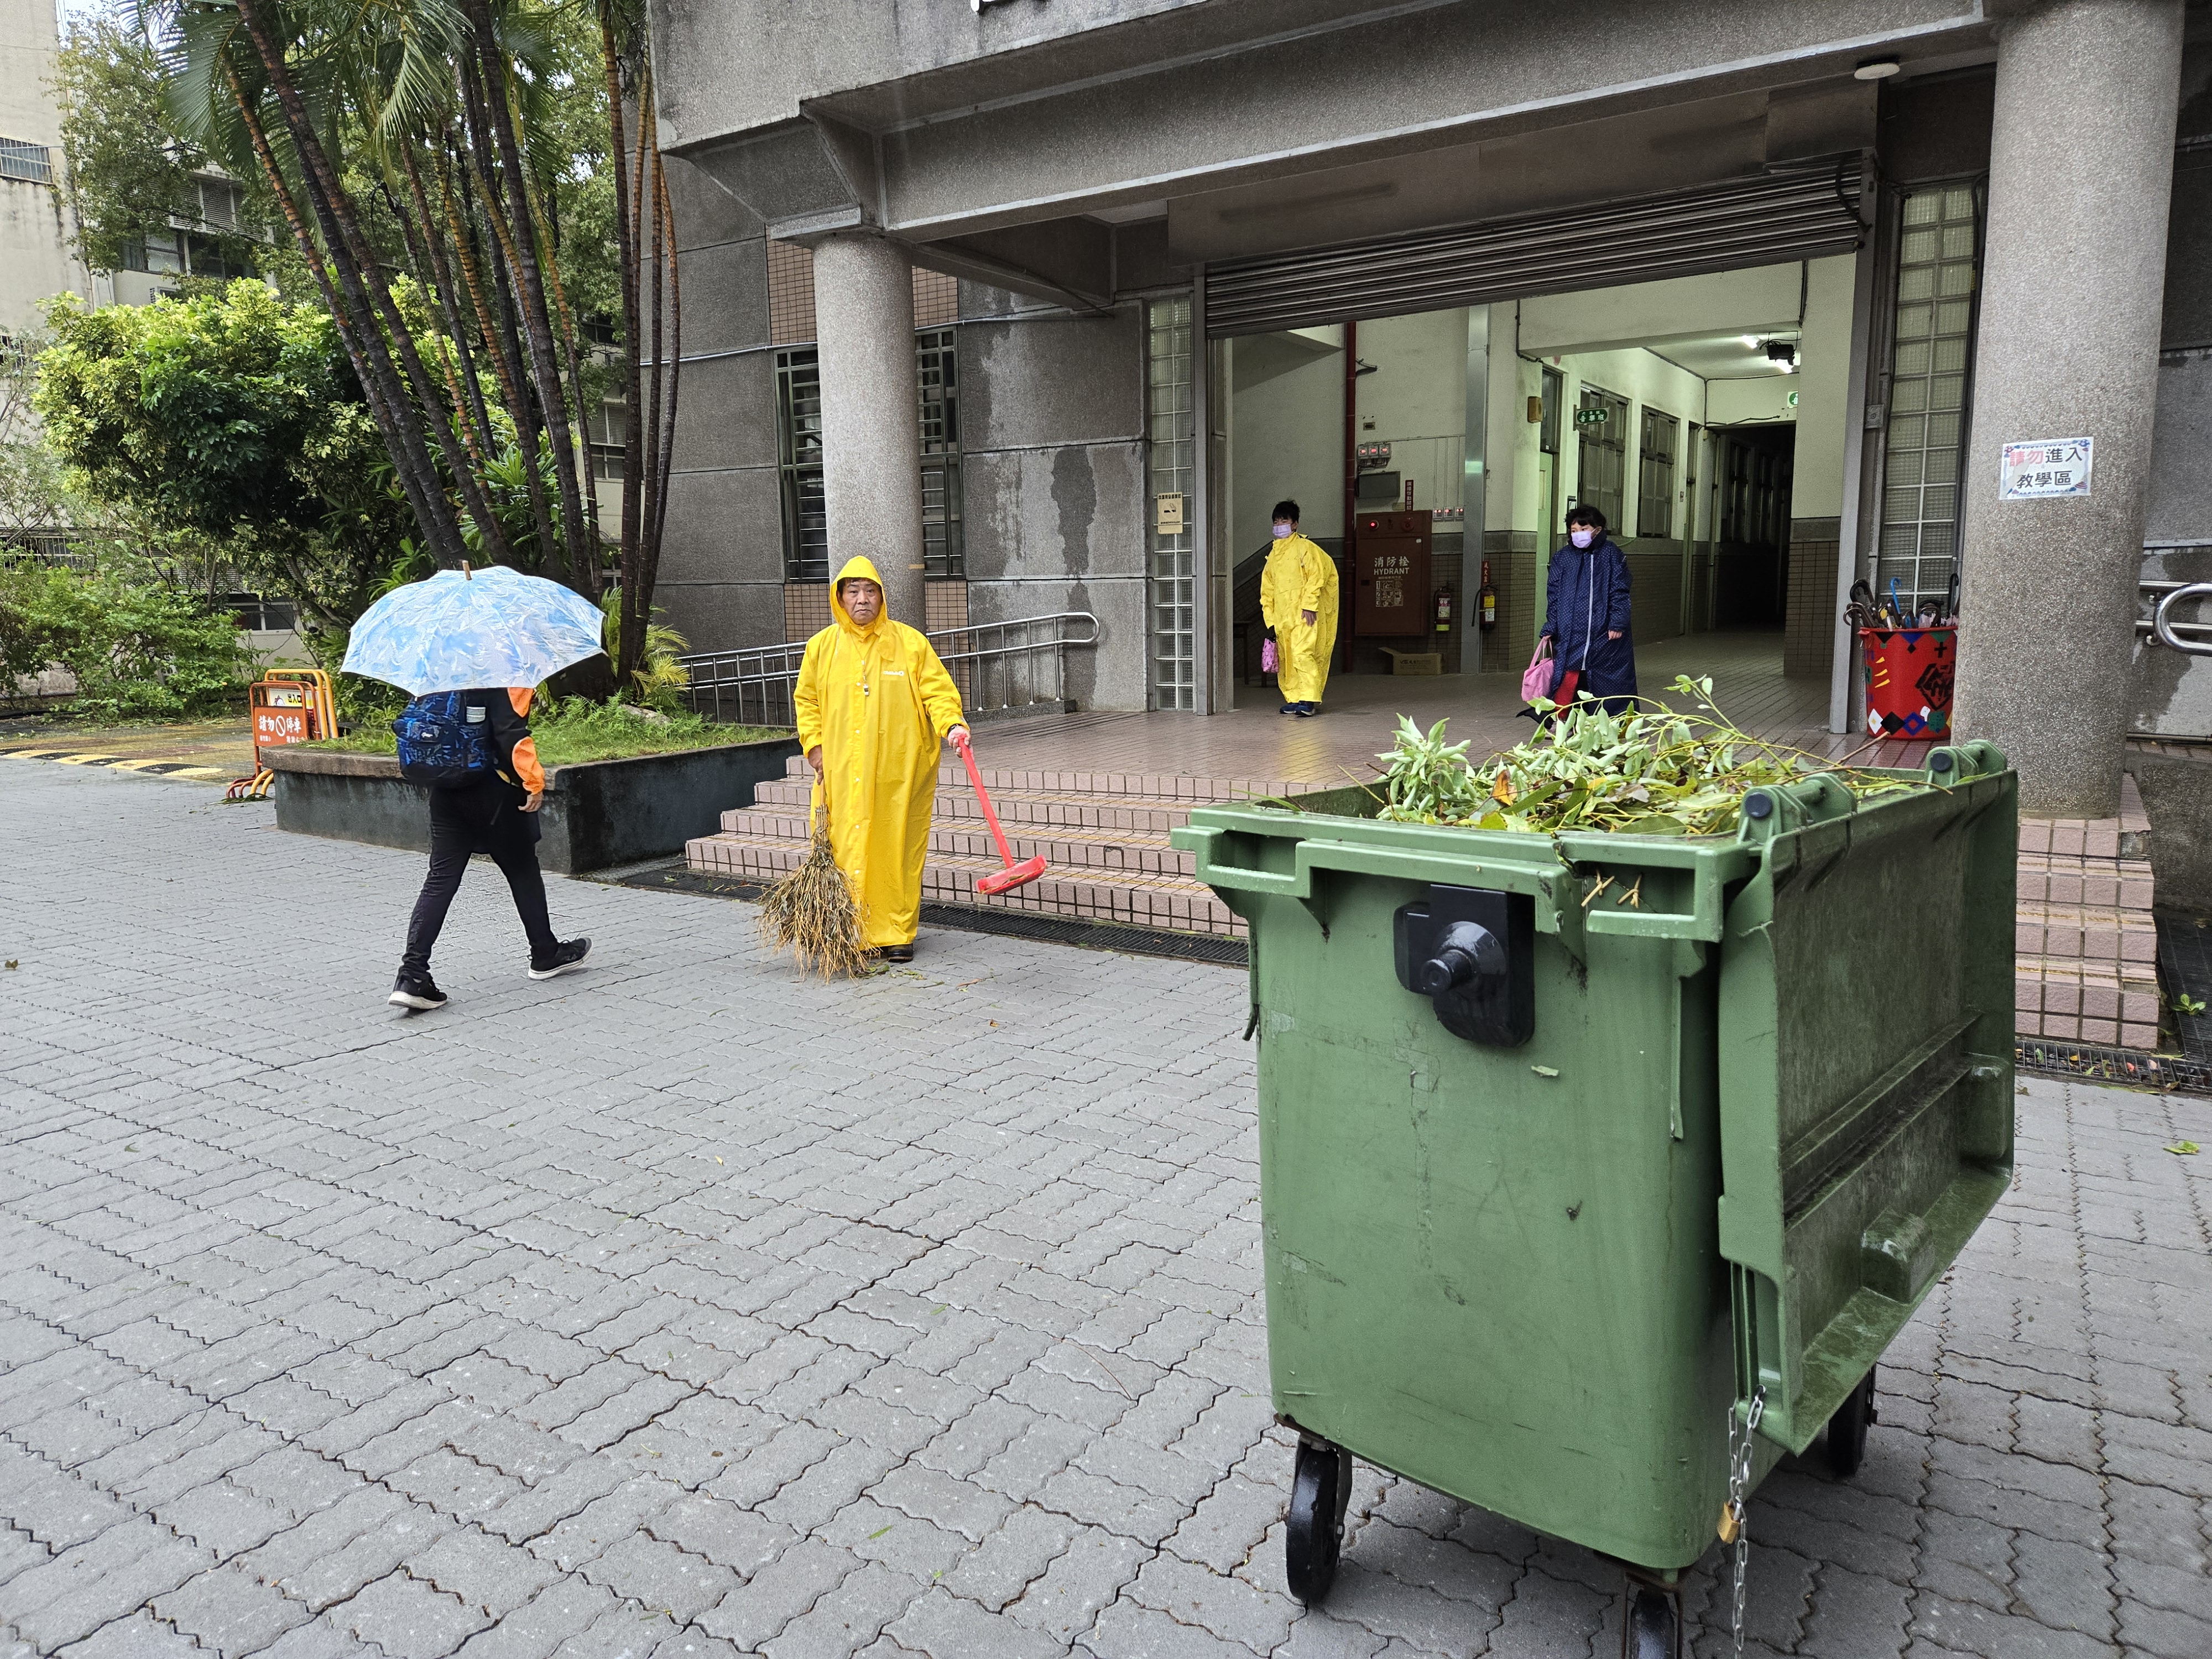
{"points": [[2128, 1067], [975, 918], [2184, 974]]}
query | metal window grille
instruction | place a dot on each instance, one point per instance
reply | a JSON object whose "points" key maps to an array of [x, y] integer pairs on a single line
{"points": [[791, 313], [799, 454], [1172, 470], [1604, 459], [790, 294], [937, 369], [936, 298], [1654, 467], [21, 159], [1939, 246]]}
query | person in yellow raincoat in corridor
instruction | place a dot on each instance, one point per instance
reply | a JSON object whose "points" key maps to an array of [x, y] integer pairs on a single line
{"points": [[873, 704], [1297, 601]]}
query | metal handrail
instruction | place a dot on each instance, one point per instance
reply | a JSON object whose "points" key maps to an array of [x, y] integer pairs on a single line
{"points": [[2166, 630], [997, 672]]}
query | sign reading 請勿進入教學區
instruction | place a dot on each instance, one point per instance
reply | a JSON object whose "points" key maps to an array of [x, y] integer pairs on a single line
{"points": [[2034, 469]]}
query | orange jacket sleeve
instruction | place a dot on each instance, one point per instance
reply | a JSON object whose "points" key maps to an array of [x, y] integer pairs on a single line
{"points": [[527, 772]]}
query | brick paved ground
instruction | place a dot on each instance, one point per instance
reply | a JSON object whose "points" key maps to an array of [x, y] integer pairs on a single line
{"points": [[682, 1309]]}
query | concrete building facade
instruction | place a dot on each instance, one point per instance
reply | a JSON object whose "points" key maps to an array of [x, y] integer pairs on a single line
{"points": [[1777, 285], [36, 258]]}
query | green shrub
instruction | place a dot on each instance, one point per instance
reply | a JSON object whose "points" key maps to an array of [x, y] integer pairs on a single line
{"points": [[572, 729], [138, 650]]}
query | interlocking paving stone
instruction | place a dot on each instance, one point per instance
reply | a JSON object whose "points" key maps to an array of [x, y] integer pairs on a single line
{"points": [[689, 1309]]}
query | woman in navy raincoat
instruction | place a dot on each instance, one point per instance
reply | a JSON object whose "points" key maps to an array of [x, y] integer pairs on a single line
{"points": [[1586, 615]]}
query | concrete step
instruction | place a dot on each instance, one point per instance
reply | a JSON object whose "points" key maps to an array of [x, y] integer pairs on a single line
{"points": [[1189, 791], [1057, 810], [1131, 896], [1065, 849]]}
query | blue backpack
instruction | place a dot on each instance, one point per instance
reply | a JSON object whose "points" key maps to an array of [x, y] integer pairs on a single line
{"points": [[438, 744]]}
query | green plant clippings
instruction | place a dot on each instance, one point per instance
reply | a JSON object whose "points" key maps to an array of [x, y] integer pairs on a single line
{"points": [[2184, 1149], [1545, 1071], [1647, 771]]}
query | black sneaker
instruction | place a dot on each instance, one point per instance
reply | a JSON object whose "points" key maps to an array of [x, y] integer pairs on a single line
{"points": [[418, 992], [899, 952], [570, 953]]}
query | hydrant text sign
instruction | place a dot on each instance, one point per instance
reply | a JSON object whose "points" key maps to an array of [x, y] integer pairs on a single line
{"points": [[2036, 468]]}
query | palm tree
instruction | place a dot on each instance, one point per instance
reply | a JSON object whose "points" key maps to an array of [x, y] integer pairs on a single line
{"points": [[444, 96]]}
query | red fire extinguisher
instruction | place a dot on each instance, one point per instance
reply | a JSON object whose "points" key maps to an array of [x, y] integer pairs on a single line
{"points": [[1443, 610], [1487, 599]]}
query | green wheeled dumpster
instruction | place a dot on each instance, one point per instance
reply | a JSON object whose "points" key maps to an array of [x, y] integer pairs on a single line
{"points": [[1578, 1151]]}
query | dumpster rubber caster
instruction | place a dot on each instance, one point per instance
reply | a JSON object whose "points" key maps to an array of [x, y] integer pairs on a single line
{"points": [[1847, 1429], [1321, 1488], [1653, 1628]]}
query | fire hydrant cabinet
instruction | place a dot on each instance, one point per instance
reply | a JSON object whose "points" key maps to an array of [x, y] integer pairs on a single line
{"points": [[1571, 1146]]}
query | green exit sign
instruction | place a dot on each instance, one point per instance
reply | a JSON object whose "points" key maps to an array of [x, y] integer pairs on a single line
{"points": [[1592, 416]]}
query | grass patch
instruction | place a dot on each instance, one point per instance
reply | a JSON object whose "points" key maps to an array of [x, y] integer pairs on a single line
{"points": [[573, 730]]}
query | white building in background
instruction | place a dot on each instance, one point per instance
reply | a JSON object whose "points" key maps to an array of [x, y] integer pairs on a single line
{"points": [[36, 257]]}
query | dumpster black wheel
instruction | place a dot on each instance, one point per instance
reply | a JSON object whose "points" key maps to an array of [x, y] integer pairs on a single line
{"points": [[1321, 1486], [1847, 1429], [1654, 1625]]}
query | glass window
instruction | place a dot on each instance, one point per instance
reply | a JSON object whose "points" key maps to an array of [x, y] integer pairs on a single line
{"points": [[937, 368], [21, 159], [1172, 468], [1654, 467], [798, 446], [1938, 249], [1602, 423]]}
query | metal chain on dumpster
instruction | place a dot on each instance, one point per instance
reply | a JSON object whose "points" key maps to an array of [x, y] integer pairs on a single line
{"points": [[1733, 1529]]}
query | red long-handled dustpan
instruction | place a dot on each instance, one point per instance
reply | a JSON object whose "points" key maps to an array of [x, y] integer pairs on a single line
{"points": [[1014, 875]]}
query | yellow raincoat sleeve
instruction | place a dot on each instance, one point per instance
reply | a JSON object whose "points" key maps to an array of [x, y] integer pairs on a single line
{"points": [[1315, 570], [941, 697], [806, 695]]}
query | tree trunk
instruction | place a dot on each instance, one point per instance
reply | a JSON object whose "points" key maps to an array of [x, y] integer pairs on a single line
{"points": [[362, 280], [537, 322], [630, 646], [410, 462]]}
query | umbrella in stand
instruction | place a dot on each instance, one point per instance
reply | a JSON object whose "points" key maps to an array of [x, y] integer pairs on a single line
{"points": [[464, 629]]}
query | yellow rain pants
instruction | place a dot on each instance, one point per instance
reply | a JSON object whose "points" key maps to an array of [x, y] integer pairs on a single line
{"points": [[1299, 577], [878, 703]]}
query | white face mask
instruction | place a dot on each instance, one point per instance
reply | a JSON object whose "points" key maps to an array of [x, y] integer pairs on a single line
{"points": [[1582, 538], [1282, 530]]}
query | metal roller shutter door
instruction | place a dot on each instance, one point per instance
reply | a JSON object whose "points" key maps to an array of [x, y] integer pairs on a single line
{"points": [[1791, 214]]}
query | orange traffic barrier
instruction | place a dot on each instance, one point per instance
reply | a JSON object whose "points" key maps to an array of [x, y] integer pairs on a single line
{"points": [[286, 706]]}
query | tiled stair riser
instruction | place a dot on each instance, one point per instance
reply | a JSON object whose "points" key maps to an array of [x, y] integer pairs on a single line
{"points": [[2086, 969]]}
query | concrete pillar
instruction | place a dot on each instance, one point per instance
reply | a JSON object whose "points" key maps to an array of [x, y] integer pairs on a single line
{"points": [[871, 419], [2081, 171]]}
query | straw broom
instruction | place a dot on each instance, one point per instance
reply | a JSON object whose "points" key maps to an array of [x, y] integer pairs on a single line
{"points": [[811, 911]]}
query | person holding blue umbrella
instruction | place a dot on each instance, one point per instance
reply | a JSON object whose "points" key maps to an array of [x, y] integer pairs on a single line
{"points": [[470, 647]]}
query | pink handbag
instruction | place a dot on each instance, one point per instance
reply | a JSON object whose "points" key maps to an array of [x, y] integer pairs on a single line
{"points": [[1536, 681], [1271, 661]]}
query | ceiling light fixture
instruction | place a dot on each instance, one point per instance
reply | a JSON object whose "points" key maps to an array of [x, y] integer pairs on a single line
{"points": [[1876, 69]]}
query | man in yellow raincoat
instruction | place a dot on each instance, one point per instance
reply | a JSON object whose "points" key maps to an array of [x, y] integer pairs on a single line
{"points": [[873, 704], [1297, 601]]}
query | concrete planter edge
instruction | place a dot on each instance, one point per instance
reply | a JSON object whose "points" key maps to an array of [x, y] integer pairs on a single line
{"points": [[598, 814]]}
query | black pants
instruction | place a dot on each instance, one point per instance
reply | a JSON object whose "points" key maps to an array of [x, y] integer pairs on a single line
{"points": [[454, 835]]}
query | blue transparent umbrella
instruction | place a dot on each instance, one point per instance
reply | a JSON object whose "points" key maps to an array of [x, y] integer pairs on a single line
{"points": [[459, 631]]}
